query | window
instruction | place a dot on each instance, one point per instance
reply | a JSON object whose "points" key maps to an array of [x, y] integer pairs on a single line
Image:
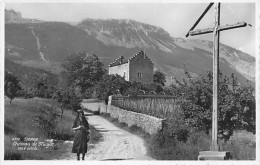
{"points": [[139, 75]]}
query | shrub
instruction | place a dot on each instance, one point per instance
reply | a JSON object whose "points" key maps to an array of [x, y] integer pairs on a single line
{"points": [[134, 128], [155, 87], [47, 120]]}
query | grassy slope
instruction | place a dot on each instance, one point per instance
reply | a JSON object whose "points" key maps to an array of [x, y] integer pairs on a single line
{"points": [[20, 70], [19, 123]]}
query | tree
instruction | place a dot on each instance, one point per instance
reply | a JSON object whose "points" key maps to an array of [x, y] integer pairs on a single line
{"points": [[111, 84], [36, 84], [153, 87], [134, 89], [82, 70], [236, 104], [67, 99], [42, 86], [71, 100], [11, 86], [159, 77]]}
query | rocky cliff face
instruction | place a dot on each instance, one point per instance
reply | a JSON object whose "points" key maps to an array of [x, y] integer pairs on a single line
{"points": [[109, 39], [126, 33], [130, 34], [11, 15]]}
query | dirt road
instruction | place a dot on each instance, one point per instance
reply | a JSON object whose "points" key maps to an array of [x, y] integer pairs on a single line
{"points": [[116, 143]]}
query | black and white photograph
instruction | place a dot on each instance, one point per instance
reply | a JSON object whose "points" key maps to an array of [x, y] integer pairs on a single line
{"points": [[133, 80]]}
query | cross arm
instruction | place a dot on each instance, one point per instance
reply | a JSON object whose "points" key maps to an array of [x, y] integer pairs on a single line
{"points": [[221, 28], [202, 15]]}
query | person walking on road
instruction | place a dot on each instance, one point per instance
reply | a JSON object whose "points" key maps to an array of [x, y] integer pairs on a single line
{"points": [[81, 138]]}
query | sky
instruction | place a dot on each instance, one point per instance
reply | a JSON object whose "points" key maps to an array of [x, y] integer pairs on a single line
{"points": [[175, 18]]}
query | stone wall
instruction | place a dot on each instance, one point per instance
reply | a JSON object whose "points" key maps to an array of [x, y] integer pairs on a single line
{"points": [[147, 123], [122, 70], [141, 64], [101, 106]]}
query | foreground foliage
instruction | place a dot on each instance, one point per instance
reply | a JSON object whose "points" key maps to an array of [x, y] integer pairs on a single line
{"points": [[12, 86], [20, 123], [236, 104]]}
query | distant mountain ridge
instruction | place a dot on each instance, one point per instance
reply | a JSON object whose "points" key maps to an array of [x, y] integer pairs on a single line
{"points": [[124, 32], [12, 16], [130, 33], [109, 39]]}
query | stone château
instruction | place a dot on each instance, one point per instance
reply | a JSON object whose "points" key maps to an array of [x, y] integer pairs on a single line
{"points": [[138, 68]]}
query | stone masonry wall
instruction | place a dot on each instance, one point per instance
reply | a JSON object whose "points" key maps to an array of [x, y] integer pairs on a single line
{"points": [[122, 70], [147, 123], [141, 64]]}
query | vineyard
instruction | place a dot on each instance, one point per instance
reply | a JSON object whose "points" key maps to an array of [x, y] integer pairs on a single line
{"points": [[157, 106]]}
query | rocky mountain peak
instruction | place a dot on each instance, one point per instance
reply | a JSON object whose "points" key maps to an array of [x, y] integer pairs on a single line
{"points": [[123, 32], [11, 15]]}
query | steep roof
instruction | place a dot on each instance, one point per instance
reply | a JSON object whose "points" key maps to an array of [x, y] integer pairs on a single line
{"points": [[120, 60]]}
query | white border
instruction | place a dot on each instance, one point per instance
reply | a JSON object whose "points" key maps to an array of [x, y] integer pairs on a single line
{"points": [[2, 80], [257, 48]]}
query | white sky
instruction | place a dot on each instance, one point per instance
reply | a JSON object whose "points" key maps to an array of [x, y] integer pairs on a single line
{"points": [[176, 18]]}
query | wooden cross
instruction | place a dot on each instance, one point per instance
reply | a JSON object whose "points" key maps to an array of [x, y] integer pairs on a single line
{"points": [[216, 30]]}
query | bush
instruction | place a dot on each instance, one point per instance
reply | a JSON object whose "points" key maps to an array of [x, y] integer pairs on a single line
{"points": [[63, 133], [134, 128], [155, 87], [47, 120]]}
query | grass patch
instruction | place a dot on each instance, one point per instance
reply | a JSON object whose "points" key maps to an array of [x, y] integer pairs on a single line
{"points": [[19, 123], [242, 145], [171, 149]]}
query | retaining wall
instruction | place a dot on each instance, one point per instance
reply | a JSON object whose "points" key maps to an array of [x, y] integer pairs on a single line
{"points": [[149, 124]]}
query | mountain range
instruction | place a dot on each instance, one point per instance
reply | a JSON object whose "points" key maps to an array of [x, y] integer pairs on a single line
{"points": [[45, 45]]}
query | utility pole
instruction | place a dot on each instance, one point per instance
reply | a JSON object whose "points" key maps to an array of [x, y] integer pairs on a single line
{"points": [[214, 154]]}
